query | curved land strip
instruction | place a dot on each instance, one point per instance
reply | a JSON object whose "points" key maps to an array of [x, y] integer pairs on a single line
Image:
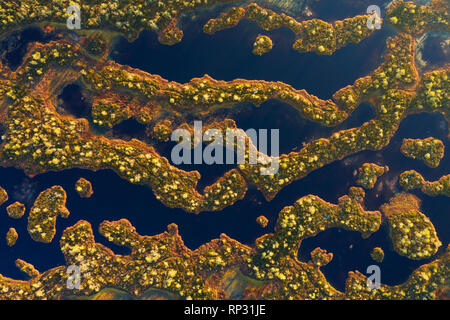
{"points": [[39, 139], [414, 19], [311, 35], [11, 237], [320, 257], [27, 268], [410, 180], [163, 265]]}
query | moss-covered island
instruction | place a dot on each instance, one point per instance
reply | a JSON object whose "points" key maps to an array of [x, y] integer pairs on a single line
{"points": [[412, 233], [162, 264], [11, 237], [377, 254], [84, 188], [38, 137], [311, 35], [3, 196], [429, 150]]}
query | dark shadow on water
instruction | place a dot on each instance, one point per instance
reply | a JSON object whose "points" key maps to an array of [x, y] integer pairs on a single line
{"points": [[74, 102], [14, 46], [129, 129]]}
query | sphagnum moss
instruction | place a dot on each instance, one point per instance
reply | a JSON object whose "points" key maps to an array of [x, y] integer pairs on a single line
{"points": [[262, 45], [3, 196], [262, 221], [121, 17], [16, 210], [163, 262], [410, 180], [311, 35], [11, 237], [38, 139], [429, 150], [42, 219], [368, 174], [84, 188], [412, 233], [27, 268], [377, 254]]}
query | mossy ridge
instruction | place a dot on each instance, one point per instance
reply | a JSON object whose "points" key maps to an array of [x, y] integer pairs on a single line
{"points": [[411, 179], [311, 35]]}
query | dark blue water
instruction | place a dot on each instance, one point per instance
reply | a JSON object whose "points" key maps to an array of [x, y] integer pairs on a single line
{"points": [[226, 56], [436, 52]]}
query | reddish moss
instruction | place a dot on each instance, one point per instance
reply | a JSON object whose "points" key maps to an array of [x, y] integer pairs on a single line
{"points": [[412, 180], [262, 221], [84, 188], [412, 233], [262, 45], [320, 257], [377, 254], [11, 237], [27, 268], [16, 210], [48, 206], [429, 150], [368, 174]]}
